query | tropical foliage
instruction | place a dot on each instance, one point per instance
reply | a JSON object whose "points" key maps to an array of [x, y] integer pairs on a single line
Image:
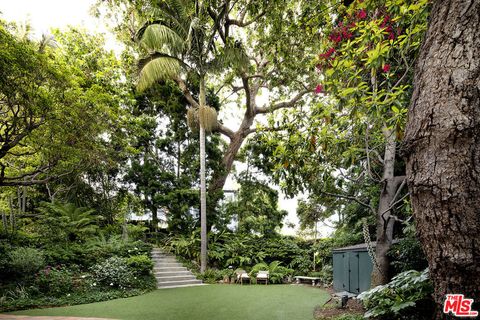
{"points": [[408, 295], [104, 154]]}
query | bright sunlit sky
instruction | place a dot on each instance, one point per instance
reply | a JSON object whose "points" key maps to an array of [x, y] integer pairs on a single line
{"points": [[43, 15]]}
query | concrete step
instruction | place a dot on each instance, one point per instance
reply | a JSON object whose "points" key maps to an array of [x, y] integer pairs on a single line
{"points": [[172, 273], [177, 283], [182, 286], [175, 278], [169, 269], [161, 257], [165, 259], [168, 265]]}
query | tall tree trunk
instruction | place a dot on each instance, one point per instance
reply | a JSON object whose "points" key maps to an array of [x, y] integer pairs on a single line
{"points": [[179, 157], [220, 177], [385, 219], [203, 193], [154, 210], [442, 145]]}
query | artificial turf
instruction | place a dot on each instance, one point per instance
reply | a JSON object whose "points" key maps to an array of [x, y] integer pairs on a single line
{"points": [[210, 302]]}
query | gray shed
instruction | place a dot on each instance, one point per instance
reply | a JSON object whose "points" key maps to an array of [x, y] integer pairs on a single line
{"points": [[352, 268]]}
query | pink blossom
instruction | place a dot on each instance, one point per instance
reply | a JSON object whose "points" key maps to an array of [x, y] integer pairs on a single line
{"points": [[319, 89], [362, 14], [327, 54], [386, 19], [386, 68], [335, 37]]}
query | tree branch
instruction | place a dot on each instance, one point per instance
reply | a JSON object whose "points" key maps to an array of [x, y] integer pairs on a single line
{"points": [[248, 96], [280, 105], [225, 131], [186, 93], [32, 174], [241, 23], [337, 195], [32, 182]]}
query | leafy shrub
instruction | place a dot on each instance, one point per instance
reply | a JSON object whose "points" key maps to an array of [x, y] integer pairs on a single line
{"points": [[140, 265], [211, 275], [113, 272], [277, 273], [136, 232], [406, 290], [72, 254], [325, 274], [67, 222], [54, 281], [407, 254], [22, 302], [25, 262], [186, 246], [5, 248], [133, 248]]}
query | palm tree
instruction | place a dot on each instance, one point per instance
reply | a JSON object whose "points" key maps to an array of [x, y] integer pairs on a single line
{"points": [[177, 43]]}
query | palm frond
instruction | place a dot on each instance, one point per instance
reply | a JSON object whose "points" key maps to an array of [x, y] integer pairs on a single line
{"points": [[158, 37], [157, 69], [179, 7], [232, 56]]}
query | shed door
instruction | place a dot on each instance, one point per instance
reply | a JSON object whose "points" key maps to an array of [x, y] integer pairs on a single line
{"points": [[366, 267], [340, 271], [353, 270]]}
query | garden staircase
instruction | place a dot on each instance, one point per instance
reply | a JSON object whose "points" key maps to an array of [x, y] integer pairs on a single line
{"points": [[170, 273]]}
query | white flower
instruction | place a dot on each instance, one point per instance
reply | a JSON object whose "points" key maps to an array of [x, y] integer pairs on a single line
{"points": [[68, 295], [83, 277], [94, 284], [111, 283]]}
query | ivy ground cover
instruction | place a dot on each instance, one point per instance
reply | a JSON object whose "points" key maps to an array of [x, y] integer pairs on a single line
{"points": [[204, 302]]}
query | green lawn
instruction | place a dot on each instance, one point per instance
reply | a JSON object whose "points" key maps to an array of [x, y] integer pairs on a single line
{"points": [[204, 302]]}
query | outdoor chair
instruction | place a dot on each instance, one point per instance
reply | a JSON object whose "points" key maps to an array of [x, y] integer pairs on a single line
{"points": [[242, 275], [262, 276]]}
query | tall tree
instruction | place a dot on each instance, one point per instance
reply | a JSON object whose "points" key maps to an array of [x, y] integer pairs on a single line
{"points": [[257, 51], [346, 145], [164, 166], [181, 38], [255, 207], [55, 102], [29, 91], [443, 148]]}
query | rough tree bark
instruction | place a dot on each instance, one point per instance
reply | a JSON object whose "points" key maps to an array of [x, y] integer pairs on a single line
{"points": [[442, 146]]}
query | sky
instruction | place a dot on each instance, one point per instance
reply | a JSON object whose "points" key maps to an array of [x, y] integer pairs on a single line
{"points": [[43, 15]]}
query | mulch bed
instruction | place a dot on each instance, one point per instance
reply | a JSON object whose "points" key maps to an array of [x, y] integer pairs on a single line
{"points": [[333, 309]]}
